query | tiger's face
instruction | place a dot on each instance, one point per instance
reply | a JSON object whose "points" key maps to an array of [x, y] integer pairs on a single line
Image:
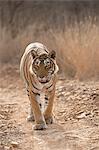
{"points": [[43, 66]]}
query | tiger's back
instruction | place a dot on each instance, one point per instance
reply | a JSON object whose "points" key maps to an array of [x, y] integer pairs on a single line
{"points": [[26, 59]]}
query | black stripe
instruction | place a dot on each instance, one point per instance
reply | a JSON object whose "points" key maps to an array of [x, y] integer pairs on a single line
{"points": [[35, 93], [46, 98], [37, 49], [34, 47], [50, 86], [40, 105], [46, 50], [35, 87], [41, 48], [25, 76], [27, 90], [30, 79], [28, 94]]}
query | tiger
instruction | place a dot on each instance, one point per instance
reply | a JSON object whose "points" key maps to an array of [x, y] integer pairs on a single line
{"points": [[38, 69]]}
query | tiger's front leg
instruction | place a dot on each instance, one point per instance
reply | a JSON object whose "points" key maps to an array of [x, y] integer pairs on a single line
{"points": [[40, 123], [48, 112], [31, 115]]}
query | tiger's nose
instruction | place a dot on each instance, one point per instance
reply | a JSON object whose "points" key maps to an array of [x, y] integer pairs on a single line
{"points": [[42, 76]]}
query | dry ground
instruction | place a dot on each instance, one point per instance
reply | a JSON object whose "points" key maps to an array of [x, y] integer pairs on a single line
{"points": [[76, 112]]}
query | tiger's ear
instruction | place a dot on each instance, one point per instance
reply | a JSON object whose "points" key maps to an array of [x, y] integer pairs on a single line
{"points": [[33, 53], [52, 54]]}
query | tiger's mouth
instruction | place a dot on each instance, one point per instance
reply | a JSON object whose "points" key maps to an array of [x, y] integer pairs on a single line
{"points": [[43, 80]]}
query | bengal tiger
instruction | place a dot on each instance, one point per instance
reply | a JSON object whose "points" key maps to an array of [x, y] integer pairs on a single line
{"points": [[39, 69]]}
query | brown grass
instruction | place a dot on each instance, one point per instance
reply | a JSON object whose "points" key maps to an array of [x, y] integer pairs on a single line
{"points": [[77, 46]]}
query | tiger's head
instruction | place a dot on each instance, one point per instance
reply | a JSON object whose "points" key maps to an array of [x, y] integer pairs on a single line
{"points": [[43, 66]]}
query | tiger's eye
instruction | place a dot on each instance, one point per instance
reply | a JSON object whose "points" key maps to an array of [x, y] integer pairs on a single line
{"points": [[37, 62], [47, 62]]}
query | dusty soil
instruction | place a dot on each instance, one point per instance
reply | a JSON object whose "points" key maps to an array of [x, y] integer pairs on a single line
{"points": [[76, 113]]}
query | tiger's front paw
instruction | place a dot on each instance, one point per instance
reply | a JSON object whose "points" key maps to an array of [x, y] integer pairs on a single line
{"points": [[49, 120], [30, 118], [41, 126]]}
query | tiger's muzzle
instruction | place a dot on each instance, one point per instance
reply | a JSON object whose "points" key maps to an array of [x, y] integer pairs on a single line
{"points": [[44, 79]]}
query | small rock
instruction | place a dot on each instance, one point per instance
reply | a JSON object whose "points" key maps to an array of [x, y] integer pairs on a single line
{"points": [[1, 116], [81, 115], [7, 148], [14, 144]]}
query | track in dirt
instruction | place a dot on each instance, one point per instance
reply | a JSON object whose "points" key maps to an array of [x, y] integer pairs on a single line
{"points": [[76, 111]]}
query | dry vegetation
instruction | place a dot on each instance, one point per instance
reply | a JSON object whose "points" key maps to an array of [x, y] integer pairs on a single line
{"points": [[71, 28]]}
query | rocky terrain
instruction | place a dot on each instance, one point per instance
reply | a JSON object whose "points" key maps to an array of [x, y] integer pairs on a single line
{"points": [[76, 115]]}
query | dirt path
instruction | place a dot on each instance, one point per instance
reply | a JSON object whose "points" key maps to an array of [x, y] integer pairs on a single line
{"points": [[76, 111]]}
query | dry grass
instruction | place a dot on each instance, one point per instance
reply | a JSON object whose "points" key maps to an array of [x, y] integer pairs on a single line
{"points": [[77, 46]]}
